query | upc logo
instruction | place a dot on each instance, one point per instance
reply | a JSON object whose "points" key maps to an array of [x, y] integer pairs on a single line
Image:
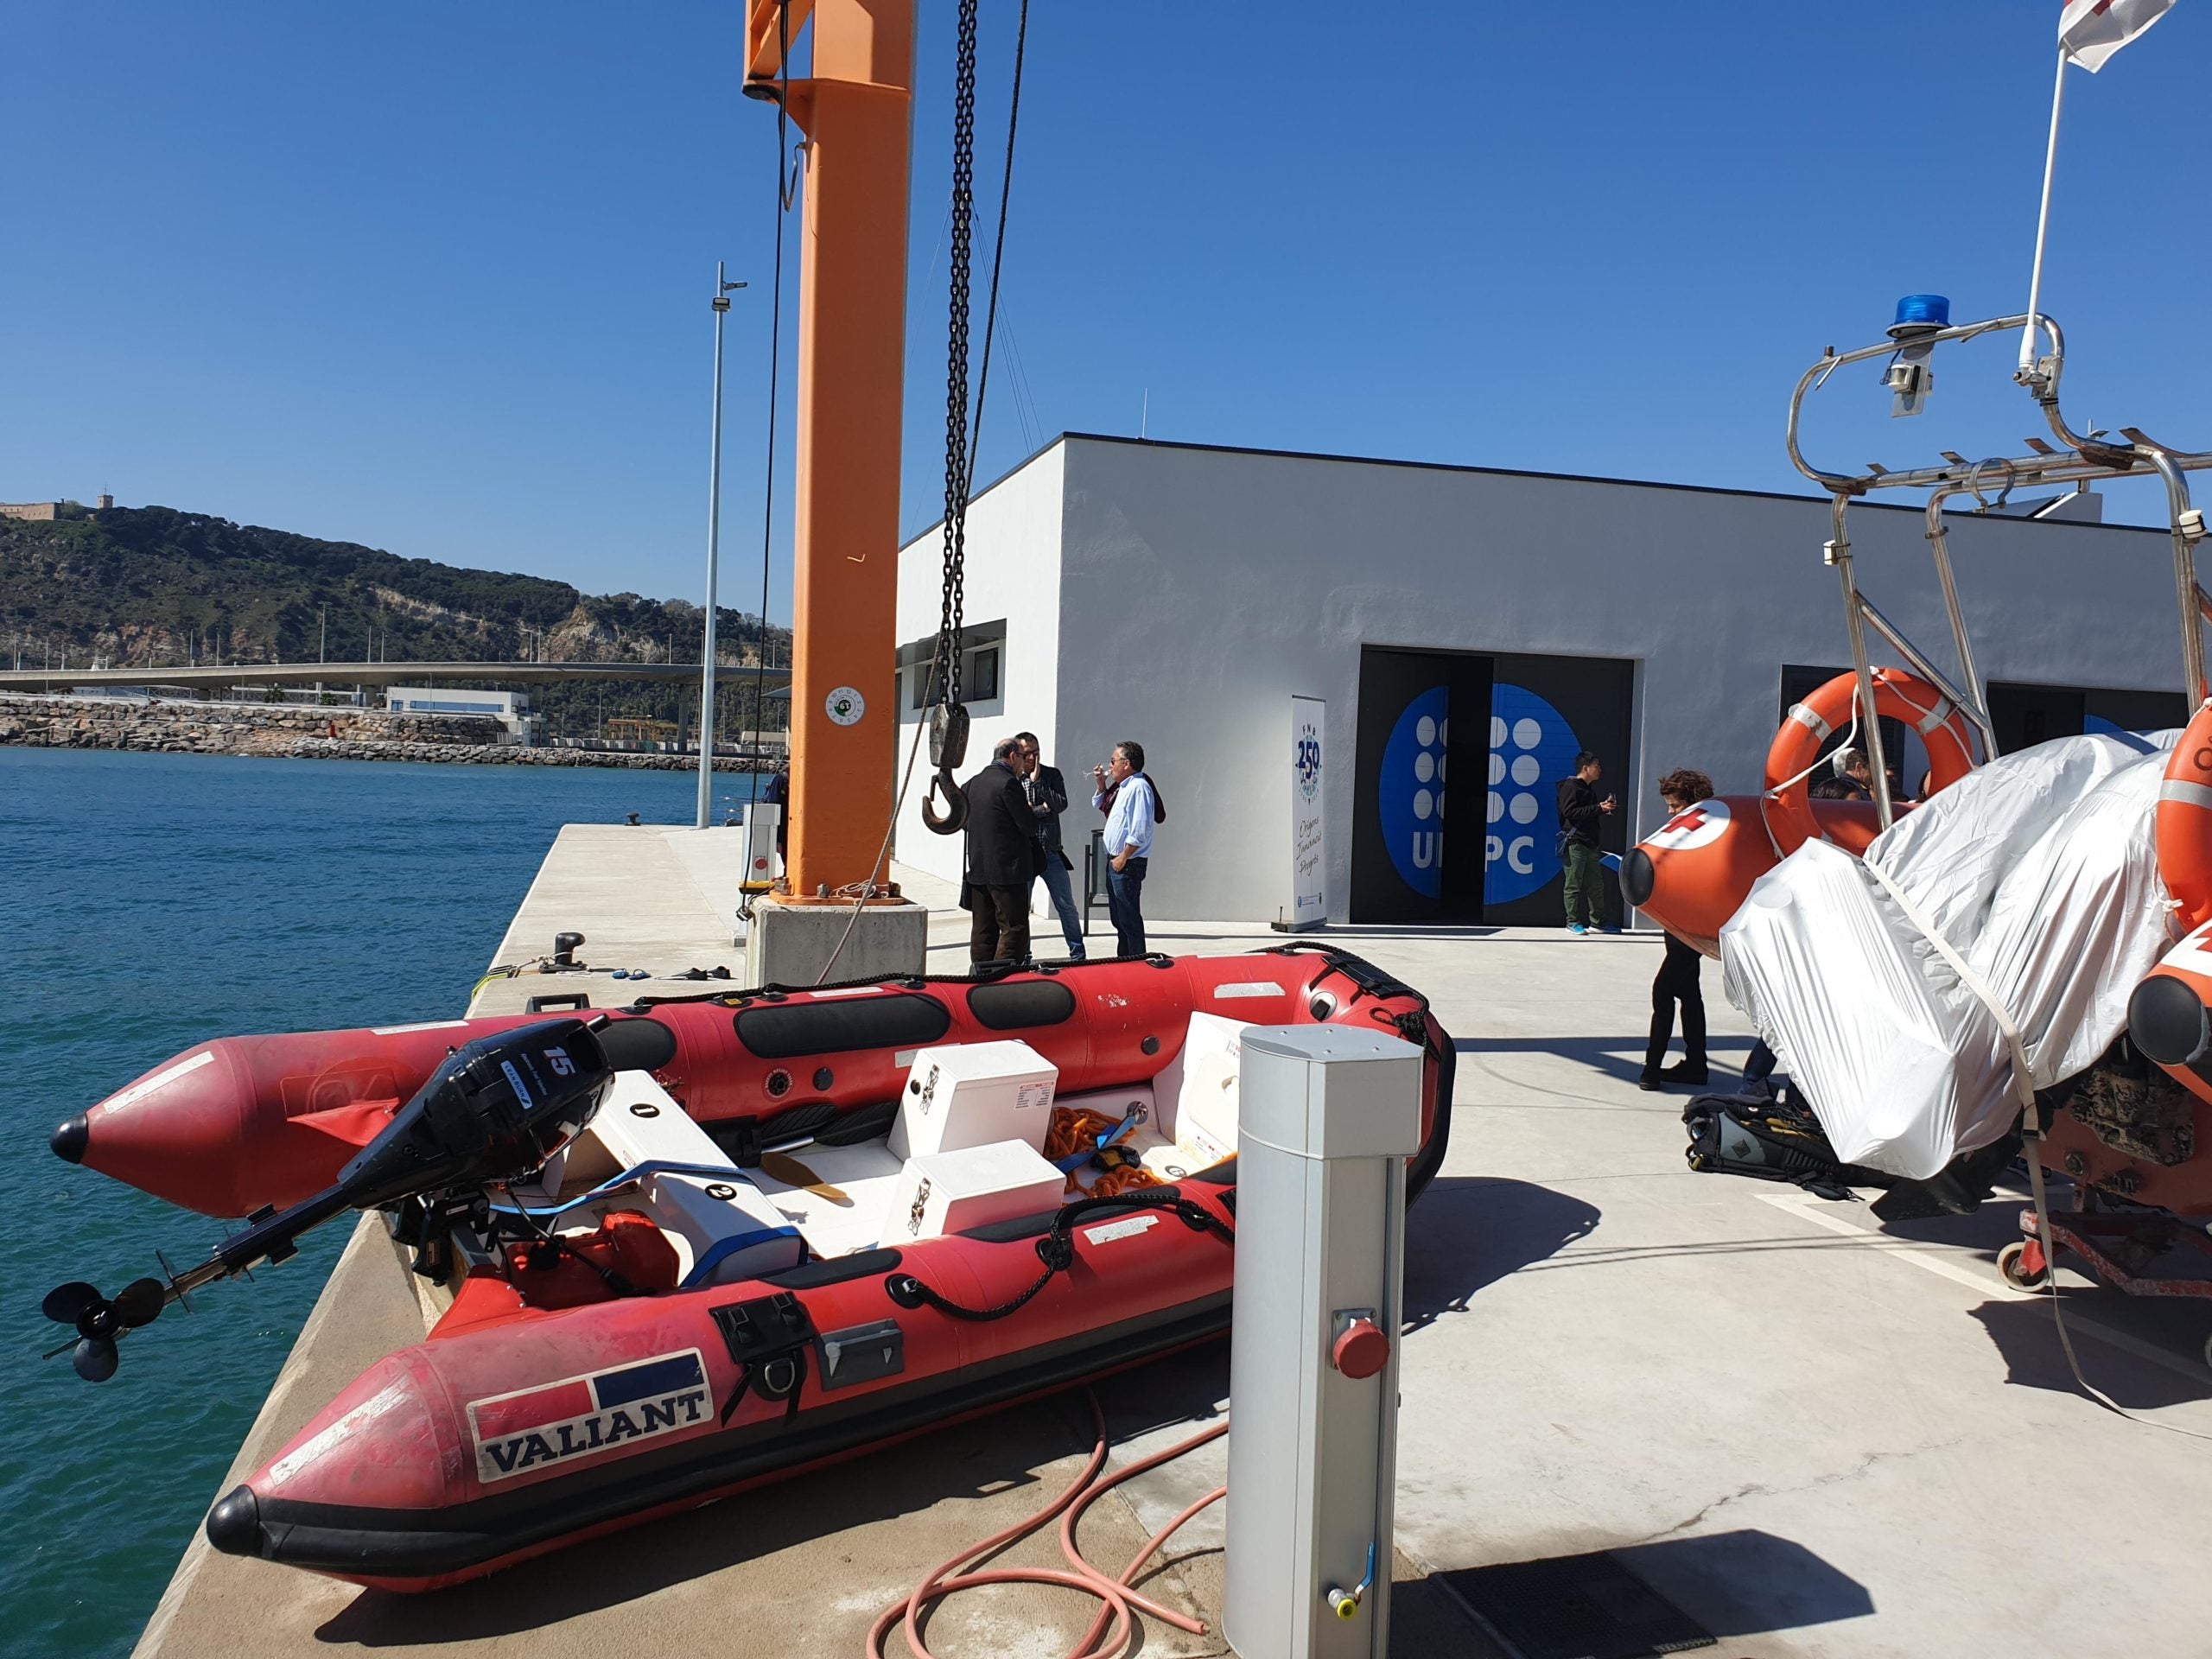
{"points": [[1412, 791], [1531, 748]]}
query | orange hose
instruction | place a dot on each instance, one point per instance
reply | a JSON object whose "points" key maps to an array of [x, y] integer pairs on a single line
{"points": [[1117, 1594]]}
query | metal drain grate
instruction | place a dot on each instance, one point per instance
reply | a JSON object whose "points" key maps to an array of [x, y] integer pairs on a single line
{"points": [[1576, 1607]]}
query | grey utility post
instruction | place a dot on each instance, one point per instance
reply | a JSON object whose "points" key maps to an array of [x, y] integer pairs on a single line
{"points": [[1327, 1117], [723, 289]]}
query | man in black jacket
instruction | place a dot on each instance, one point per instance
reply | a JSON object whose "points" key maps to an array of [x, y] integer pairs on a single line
{"points": [[1002, 858], [1681, 970], [1581, 812], [1048, 799]]}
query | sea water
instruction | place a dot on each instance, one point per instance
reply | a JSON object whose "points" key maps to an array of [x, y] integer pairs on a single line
{"points": [[148, 902]]}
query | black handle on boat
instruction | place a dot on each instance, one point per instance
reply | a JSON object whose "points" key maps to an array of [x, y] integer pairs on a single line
{"points": [[1056, 1250]]}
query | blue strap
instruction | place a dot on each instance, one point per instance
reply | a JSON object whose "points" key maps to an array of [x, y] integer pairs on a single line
{"points": [[725, 1249], [1068, 1166]]}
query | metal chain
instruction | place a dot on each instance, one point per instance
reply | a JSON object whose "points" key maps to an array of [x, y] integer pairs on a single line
{"points": [[956, 471]]}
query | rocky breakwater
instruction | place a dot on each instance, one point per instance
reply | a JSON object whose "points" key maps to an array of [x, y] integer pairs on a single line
{"points": [[295, 732]]}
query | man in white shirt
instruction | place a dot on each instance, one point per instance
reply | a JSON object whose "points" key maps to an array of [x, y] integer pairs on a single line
{"points": [[1132, 807]]}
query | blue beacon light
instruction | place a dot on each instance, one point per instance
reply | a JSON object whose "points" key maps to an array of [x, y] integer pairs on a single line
{"points": [[1920, 313]]}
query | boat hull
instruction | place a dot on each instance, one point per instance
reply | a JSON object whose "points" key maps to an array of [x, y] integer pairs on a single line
{"points": [[232, 1125]]}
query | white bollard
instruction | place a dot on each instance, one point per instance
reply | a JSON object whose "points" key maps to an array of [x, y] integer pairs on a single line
{"points": [[1328, 1116], [763, 864]]}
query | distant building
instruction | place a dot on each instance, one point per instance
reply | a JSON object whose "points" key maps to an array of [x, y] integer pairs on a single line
{"points": [[48, 511], [510, 709]]}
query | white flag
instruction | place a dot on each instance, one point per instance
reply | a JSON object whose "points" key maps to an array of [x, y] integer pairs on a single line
{"points": [[2090, 31]]}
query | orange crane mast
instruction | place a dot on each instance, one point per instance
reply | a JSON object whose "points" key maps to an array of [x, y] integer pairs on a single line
{"points": [[857, 110]]}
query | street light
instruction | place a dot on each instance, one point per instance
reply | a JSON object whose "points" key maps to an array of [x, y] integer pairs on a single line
{"points": [[722, 291]]}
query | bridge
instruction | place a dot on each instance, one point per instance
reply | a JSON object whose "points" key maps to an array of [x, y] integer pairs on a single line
{"points": [[234, 674]]}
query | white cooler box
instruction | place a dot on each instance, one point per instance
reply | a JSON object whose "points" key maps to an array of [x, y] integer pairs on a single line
{"points": [[1197, 1090], [952, 1191], [971, 1094]]}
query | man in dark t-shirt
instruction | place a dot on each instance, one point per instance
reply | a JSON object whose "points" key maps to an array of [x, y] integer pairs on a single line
{"points": [[1581, 812]]}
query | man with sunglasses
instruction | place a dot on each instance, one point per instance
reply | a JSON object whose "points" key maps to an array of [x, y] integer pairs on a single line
{"points": [[1048, 799]]}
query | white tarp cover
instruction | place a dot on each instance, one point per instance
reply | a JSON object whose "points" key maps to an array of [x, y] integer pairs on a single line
{"points": [[2038, 869]]}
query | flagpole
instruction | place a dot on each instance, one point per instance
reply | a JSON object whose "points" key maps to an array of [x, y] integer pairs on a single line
{"points": [[2043, 222]]}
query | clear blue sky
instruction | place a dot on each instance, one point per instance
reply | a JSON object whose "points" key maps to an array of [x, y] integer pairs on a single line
{"points": [[432, 273]]}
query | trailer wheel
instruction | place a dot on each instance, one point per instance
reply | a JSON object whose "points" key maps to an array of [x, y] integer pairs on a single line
{"points": [[2011, 1267]]}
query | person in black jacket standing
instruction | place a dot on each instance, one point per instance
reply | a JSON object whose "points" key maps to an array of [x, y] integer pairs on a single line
{"points": [[1048, 799], [1581, 812], [1678, 980], [1002, 858]]}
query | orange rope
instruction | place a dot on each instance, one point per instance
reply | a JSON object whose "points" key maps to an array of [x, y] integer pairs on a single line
{"points": [[1122, 1600]]}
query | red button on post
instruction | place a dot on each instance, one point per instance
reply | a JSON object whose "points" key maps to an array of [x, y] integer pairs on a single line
{"points": [[1362, 1351]]}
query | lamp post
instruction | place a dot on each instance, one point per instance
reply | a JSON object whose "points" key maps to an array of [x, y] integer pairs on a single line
{"points": [[722, 291]]}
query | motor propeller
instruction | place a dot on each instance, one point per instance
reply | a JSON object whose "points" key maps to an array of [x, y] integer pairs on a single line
{"points": [[100, 1321], [495, 1110]]}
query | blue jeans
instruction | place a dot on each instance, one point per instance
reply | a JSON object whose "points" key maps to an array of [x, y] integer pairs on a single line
{"points": [[1063, 895], [1124, 891]]}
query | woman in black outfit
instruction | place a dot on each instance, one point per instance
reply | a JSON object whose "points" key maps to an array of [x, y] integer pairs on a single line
{"points": [[1678, 974]]}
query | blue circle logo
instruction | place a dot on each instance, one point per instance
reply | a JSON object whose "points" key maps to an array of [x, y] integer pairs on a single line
{"points": [[1412, 791], [1531, 749], [1307, 759]]}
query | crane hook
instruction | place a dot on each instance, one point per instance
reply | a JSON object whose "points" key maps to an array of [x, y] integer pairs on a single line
{"points": [[955, 818]]}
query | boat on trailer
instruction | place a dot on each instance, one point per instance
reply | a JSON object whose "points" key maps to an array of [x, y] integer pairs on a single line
{"points": [[772, 1241]]}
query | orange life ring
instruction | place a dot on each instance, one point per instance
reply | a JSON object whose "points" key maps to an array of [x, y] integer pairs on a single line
{"points": [[1788, 804], [2183, 826], [1691, 875]]}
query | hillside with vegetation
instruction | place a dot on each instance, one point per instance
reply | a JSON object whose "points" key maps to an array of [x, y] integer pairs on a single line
{"points": [[153, 587]]}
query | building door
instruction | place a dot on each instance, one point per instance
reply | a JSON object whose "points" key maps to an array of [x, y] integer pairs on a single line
{"points": [[1414, 861], [1543, 711], [1411, 859], [2025, 716]]}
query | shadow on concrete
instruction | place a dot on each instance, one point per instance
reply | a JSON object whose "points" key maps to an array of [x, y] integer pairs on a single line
{"points": [[976, 1460], [1727, 1585], [1428, 1622], [1747, 1582], [2026, 1337], [1622, 1057], [1472, 1230], [1399, 931]]}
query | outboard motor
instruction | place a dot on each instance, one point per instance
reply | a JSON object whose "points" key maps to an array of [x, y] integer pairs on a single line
{"points": [[495, 1111]]}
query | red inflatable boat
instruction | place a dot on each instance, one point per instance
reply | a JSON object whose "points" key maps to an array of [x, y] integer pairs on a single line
{"points": [[688, 1302]]}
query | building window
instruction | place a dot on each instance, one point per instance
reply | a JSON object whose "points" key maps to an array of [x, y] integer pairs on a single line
{"points": [[984, 676]]}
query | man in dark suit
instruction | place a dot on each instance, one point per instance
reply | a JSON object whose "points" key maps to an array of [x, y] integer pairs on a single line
{"points": [[1048, 799], [1003, 854]]}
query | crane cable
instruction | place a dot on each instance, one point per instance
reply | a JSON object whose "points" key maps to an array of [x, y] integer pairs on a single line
{"points": [[947, 721], [785, 187]]}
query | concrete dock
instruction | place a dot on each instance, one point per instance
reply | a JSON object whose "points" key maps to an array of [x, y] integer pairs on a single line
{"points": [[1812, 1437]]}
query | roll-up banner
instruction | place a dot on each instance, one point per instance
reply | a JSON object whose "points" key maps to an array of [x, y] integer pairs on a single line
{"points": [[1309, 903]]}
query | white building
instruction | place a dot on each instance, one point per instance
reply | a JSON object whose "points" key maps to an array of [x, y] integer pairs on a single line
{"points": [[510, 709], [1181, 595]]}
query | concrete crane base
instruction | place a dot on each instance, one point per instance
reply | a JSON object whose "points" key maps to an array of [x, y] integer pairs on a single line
{"points": [[792, 944]]}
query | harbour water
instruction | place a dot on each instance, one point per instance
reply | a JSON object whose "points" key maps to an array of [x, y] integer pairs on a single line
{"points": [[146, 902]]}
